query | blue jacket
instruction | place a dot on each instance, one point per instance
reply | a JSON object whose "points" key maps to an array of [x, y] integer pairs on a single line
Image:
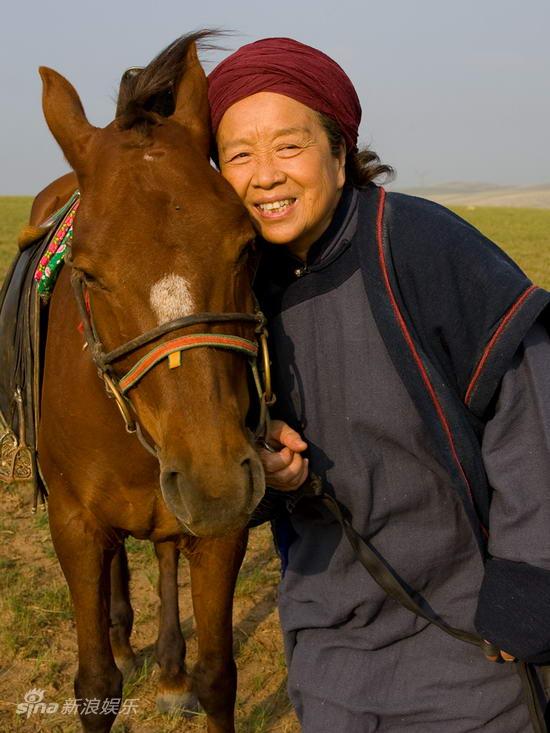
{"points": [[451, 339]]}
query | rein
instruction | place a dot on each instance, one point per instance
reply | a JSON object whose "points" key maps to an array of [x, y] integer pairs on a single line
{"points": [[118, 386]]}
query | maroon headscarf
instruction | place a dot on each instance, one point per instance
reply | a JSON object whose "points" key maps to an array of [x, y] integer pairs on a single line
{"points": [[291, 68]]}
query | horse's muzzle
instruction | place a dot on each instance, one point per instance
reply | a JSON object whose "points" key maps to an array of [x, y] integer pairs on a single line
{"points": [[214, 502]]}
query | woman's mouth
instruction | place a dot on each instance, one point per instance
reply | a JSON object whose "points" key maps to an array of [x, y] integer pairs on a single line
{"points": [[275, 209]]}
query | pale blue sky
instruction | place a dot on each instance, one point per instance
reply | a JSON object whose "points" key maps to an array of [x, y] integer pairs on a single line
{"points": [[451, 91]]}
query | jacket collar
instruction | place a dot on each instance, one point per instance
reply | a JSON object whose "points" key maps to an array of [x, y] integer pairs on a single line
{"points": [[330, 245]]}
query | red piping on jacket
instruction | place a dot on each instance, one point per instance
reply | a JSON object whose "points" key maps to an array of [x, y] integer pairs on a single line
{"points": [[497, 334], [412, 347]]}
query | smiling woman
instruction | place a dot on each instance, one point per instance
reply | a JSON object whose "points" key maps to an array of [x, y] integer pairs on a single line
{"points": [[410, 363], [300, 135], [281, 165]]}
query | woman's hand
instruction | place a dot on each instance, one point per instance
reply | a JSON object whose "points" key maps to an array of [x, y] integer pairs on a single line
{"points": [[286, 469]]}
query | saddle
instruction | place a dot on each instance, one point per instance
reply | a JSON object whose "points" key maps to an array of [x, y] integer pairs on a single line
{"points": [[23, 327]]}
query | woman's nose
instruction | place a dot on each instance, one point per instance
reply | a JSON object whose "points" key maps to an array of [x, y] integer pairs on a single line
{"points": [[267, 174]]}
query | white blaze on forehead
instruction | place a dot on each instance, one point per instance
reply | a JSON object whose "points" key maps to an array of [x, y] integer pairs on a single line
{"points": [[170, 298]]}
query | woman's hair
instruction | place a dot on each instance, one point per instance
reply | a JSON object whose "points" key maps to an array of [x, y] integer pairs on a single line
{"points": [[363, 166]]}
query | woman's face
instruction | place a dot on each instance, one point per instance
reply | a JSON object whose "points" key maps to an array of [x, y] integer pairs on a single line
{"points": [[276, 155]]}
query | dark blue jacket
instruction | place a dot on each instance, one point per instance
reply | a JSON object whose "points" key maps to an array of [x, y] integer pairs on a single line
{"points": [[452, 309]]}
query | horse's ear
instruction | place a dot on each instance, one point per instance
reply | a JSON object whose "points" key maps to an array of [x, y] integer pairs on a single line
{"points": [[65, 117], [191, 99]]}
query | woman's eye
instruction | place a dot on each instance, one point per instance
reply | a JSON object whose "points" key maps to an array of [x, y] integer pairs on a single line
{"points": [[289, 149], [239, 157]]}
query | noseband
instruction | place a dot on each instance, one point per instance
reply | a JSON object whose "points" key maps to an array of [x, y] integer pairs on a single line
{"points": [[118, 386]]}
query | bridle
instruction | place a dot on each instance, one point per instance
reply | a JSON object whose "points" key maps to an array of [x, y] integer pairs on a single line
{"points": [[117, 386]]}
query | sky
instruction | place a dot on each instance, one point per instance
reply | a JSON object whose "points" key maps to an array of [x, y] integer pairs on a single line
{"points": [[451, 91]]}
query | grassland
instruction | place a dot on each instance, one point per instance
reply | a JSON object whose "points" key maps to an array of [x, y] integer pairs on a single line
{"points": [[37, 635], [14, 214], [38, 640], [523, 233]]}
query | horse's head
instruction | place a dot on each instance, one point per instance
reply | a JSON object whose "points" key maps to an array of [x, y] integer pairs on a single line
{"points": [[160, 235]]}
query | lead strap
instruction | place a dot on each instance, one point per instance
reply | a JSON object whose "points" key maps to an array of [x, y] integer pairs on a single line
{"points": [[383, 575]]}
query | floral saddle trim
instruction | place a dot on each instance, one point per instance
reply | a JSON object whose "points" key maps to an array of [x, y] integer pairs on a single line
{"points": [[53, 258]]}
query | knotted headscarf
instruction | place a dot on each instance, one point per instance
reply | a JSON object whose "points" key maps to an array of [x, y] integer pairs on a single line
{"points": [[291, 68]]}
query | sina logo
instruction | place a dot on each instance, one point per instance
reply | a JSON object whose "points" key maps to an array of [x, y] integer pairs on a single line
{"points": [[34, 704], [34, 696]]}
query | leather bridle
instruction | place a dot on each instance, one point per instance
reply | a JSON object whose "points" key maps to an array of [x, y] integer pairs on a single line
{"points": [[117, 386]]}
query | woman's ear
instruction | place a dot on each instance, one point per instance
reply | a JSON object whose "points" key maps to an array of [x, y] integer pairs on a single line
{"points": [[341, 171]]}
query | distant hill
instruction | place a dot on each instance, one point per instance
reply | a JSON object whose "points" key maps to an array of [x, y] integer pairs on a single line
{"points": [[484, 194]]}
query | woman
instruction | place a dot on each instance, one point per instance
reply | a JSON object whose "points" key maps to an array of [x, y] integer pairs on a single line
{"points": [[410, 371]]}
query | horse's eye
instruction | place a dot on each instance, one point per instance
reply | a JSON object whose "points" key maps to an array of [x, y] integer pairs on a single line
{"points": [[90, 280], [87, 277]]}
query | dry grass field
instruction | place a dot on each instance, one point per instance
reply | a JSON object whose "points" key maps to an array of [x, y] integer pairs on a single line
{"points": [[38, 644], [14, 212], [484, 195], [37, 636]]}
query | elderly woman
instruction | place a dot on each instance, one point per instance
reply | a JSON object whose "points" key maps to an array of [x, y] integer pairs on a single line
{"points": [[410, 358]]}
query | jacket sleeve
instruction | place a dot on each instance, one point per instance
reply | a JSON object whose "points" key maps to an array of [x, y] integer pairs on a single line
{"points": [[514, 601], [469, 303]]}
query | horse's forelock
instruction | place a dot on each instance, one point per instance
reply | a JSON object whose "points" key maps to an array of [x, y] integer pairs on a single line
{"points": [[149, 90]]}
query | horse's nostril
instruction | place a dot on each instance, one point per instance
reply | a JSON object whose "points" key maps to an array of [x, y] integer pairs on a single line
{"points": [[169, 480], [170, 486], [248, 468], [174, 497], [256, 480]]}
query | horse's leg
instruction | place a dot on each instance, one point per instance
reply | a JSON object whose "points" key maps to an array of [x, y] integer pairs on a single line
{"points": [[175, 686], [214, 565], [85, 560], [122, 614]]}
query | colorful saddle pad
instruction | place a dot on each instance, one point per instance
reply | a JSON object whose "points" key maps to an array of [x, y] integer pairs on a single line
{"points": [[60, 239]]}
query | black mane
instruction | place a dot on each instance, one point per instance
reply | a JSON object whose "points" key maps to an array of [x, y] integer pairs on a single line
{"points": [[149, 91]]}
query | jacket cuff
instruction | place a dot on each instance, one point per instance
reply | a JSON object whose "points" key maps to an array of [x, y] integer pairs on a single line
{"points": [[513, 609]]}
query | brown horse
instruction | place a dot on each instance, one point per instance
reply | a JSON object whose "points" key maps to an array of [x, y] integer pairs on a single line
{"points": [[159, 235], [170, 648]]}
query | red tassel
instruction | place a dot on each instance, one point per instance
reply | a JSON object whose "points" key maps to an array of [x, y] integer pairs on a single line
{"points": [[80, 327]]}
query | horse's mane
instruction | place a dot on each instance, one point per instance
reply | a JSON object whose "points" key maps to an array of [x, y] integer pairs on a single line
{"points": [[148, 91]]}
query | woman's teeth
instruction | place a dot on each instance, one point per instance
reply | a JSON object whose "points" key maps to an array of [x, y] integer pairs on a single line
{"points": [[276, 205]]}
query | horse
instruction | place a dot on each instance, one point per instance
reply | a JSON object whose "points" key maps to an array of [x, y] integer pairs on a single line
{"points": [[170, 647], [159, 256]]}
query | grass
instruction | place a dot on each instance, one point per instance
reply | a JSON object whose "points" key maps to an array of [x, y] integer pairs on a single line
{"points": [[523, 233], [14, 214], [38, 642], [139, 550], [28, 622], [254, 579]]}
